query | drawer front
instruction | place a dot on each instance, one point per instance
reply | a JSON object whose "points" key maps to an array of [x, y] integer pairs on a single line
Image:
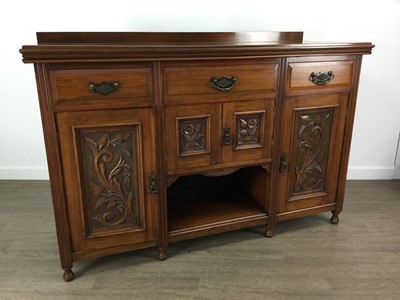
{"points": [[79, 86], [308, 75], [210, 80]]}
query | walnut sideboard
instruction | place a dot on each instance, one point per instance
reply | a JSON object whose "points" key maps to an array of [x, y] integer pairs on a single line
{"points": [[153, 138]]}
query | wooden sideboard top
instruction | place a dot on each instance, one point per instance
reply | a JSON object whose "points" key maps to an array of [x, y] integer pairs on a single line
{"points": [[100, 46]]}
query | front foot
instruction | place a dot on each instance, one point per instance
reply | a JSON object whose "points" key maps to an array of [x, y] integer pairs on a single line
{"points": [[269, 233], [162, 254], [335, 218], [68, 275]]}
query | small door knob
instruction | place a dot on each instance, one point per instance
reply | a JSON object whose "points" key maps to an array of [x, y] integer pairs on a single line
{"points": [[153, 184], [226, 138]]}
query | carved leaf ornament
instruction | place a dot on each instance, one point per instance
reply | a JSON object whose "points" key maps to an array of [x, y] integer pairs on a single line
{"points": [[248, 130], [112, 190], [193, 134], [311, 154]]}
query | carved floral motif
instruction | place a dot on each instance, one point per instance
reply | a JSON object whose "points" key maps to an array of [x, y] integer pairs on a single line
{"points": [[248, 132], [192, 136], [109, 158], [314, 131]]}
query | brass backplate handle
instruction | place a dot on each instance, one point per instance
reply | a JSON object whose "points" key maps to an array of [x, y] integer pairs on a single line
{"points": [[104, 87], [223, 83], [321, 78]]}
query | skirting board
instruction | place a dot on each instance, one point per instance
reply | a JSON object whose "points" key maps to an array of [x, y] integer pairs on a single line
{"points": [[360, 173], [371, 173], [24, 173]]}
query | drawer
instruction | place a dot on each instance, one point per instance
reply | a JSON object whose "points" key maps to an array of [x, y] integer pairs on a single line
{"points": [[306, 75], [211, 80], [104, 86]]}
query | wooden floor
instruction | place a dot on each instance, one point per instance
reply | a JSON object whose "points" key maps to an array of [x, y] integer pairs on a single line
{"points": [[306, 259]]}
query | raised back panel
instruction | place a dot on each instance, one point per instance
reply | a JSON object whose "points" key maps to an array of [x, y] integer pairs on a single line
{"points": [[295, 37]]}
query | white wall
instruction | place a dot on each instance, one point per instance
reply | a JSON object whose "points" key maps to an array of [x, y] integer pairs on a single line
{"points": [[377, 123]]}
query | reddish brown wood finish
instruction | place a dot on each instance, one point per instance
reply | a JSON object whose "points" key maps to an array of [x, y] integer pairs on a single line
{"points": [[107, 158], [72, 85], [195, 134], [314, 127], [54, 165], [56, 47], [164, 156], [191, 82], [299, 73], [176, 38], [201, 205]]}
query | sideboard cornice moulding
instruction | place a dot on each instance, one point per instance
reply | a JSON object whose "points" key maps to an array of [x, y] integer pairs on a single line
{"points": [[69, 46]]}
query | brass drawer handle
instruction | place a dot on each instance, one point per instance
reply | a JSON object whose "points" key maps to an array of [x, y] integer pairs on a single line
{"points": [[223, 83], [103, 87], [321, 78]]}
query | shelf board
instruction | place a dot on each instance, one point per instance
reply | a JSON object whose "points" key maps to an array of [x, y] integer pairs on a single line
{"points": [[193, 215]]}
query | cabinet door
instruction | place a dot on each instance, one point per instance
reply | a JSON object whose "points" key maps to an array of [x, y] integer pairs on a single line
{"points": [[250, 127], [219, 133], [312, 129], [108, 157], [193, 136]]}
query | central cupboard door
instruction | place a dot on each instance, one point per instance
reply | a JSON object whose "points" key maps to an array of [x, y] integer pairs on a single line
{"points": [[108, 158], [231, 133]]}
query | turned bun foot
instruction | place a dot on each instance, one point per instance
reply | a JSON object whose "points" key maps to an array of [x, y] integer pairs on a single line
{"points": [[68, 275], [269, 233], [334, 218], [162, 255]]}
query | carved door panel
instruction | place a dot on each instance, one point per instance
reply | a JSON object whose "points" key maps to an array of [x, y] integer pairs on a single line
{"points": [[193, 135], [311, 151], [250, 124], [108, 157]]}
